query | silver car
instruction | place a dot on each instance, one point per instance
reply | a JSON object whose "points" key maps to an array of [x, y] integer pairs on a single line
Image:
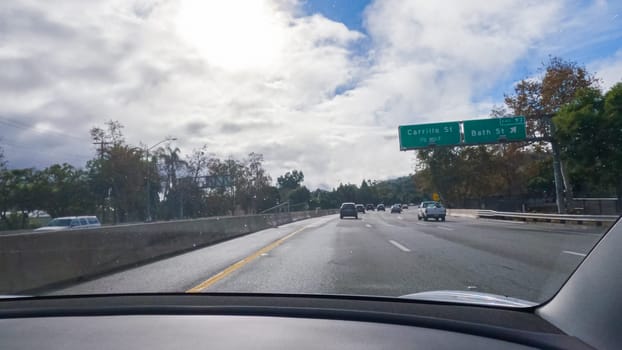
{"points": [[70, 223]]}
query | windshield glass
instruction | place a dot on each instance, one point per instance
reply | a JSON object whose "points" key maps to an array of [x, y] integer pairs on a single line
{"points": [[59, 222], [212, 145]]}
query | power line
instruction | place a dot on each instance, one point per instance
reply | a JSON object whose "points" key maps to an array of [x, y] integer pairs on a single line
{"points": [[21, 125], [44, 151], [47, 151]]}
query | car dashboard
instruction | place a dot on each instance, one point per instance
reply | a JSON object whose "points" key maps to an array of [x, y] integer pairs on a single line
{"points": [[236, 321]]}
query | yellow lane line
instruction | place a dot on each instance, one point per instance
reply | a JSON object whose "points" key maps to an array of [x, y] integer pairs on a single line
{"points": [[224, 273]]}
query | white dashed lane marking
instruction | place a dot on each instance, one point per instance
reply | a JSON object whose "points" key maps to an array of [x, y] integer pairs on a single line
{"points": [[399, 246]]}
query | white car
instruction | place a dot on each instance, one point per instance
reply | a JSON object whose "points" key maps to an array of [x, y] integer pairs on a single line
{"points": [[431, 210], [70, 223]]}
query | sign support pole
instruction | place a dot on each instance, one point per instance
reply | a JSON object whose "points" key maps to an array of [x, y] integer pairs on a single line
{"points": [[557, 173]]}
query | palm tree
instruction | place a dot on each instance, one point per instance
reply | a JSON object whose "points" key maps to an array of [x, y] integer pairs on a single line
{"points": [[172, 164]]}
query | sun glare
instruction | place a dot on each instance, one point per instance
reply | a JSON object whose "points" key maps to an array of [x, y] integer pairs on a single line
{"points": [[232, 34]]}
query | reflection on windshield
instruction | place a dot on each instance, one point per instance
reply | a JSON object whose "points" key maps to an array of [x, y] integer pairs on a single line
{"points": [[216, 145]]}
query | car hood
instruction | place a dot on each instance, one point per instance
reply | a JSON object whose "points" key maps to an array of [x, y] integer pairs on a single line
{"points": [[9, 296], [52, 228], [469, 297]]}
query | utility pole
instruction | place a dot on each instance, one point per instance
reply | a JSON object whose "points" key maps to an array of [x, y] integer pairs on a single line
{"points": [[233, 195], [181, 205], [102, 143], [180, 191], [558, 175]]}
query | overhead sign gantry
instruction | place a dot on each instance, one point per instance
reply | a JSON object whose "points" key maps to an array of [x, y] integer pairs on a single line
{"points": [[469, 132]]}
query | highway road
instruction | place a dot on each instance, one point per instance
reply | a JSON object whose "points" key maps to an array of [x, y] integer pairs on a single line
{"points": [[378, 254]]}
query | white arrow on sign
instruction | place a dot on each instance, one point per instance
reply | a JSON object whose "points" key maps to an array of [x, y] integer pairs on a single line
{"points": [[513, 130]]}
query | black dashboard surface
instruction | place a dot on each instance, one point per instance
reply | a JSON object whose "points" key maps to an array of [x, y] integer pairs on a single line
{"points": [[267, 321], [227, 332]]}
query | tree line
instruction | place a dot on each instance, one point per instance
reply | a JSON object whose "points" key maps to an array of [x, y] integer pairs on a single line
{"points": [[388, 192], [565, 108], [126, 183]]}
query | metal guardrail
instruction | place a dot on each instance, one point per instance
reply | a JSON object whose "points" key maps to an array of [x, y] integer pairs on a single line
{"points": [[553, 218]]}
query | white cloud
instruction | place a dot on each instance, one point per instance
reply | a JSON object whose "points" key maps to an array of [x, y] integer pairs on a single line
{"points": [[256, 75], [584, 27], [609, 70]]}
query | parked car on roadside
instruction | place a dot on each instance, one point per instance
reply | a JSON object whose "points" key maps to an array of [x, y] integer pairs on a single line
{"points": [[70, 223]]}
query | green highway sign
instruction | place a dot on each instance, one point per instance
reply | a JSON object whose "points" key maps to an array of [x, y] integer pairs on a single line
{"points": [[215, 181], [494, 130], [479, 131], [426, 135]]}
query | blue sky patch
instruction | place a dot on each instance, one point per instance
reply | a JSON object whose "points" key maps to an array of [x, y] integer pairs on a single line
{"points": [[348, 12]]}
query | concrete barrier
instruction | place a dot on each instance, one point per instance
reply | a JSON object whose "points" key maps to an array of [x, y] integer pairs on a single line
{"points": [[39, 260]]}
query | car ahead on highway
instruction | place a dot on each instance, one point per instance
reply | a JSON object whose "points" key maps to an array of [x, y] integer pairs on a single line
{"points": [[380, 207], [348, 209], [369, 207], [396, 208], [431, 210], [70, 223], [404, 206], [360, 208]]}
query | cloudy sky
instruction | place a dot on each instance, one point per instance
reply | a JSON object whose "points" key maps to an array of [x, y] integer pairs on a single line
{"points": [[315, 85]]}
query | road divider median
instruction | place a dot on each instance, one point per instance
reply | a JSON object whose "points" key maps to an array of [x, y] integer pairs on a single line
{"points": [[40, 261]]}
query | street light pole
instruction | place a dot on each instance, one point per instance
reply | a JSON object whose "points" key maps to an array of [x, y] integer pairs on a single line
{"points": [[168, 139]]}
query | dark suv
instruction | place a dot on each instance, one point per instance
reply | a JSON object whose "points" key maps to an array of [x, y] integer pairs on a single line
{"points": [[369, 207], [348, 209]]}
